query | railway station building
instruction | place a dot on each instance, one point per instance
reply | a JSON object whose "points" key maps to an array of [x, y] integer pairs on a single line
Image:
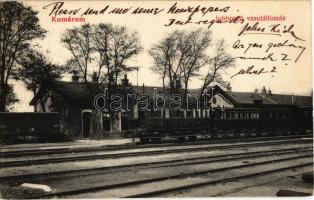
{"points": [[79, 118]]}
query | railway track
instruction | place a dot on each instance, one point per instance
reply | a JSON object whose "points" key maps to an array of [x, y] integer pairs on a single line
{"points": [[164, 163], [7, 164], [180, 176], [207, 183], [7, 152]]}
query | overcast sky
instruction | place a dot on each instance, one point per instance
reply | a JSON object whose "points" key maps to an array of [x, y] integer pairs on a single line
{"points": [[291, 77]]}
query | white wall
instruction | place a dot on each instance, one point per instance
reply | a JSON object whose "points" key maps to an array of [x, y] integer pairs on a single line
{"points": [[221, 101]]}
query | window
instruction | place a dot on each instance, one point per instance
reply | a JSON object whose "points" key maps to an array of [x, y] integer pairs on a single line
{"points": [[252, 115], [236, 115], [177, 113], [204, 113], [227, 115], [189, 113], [224, 115], [285, 115], [166, 113], [277, 114], [156, 113], [241, 115]]}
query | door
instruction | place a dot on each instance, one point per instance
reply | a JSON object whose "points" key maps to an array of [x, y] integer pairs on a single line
{"points": [[116, 122], [86, 123]]}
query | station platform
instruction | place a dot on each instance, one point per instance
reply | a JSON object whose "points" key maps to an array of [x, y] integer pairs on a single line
{"points": [[82, 143]]}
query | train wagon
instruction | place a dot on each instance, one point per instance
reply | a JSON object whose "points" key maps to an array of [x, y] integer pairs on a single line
{"points": [[17, 127], [236, 122]]}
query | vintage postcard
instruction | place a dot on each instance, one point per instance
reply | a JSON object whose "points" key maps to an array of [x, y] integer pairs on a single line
{"points": [[156, 99]]}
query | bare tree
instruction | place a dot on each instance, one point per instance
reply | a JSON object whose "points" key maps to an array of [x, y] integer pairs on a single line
{"points": [[180, 55], [101, 51], [18, 26], [103, 37], [161, 64], [174, 58], [192, 50], [165, 56], [115, 46], [79, 42], [217, 66], [161, 69]]}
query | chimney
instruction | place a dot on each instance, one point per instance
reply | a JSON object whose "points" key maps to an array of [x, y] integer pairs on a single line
{"points": [[229, 88], [125, 81], [111, 79], [75, 77], [178, 84], [143, 89], [95, 77], [292, 98], [269, 91], [263, 90]]}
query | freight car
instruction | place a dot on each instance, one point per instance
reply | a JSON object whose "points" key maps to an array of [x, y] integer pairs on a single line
{"points": [[17, 127], [235, 122]]}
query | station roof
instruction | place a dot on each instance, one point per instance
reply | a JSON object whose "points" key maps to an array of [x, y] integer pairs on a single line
{"points": [[269, 99], [77, 91]]}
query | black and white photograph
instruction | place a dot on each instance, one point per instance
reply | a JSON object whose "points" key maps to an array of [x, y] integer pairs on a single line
{"points": [[156, 99]]}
